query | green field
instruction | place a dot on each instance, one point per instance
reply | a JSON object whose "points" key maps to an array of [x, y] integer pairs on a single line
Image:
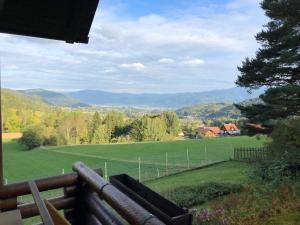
{"points": [[226, 172], [121, 158]]}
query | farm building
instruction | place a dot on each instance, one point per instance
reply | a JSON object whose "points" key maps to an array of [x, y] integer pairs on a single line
{"points": [[230, 129], [207, 131]]}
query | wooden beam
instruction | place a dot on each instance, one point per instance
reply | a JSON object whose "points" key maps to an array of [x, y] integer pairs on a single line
{"points": [[1, 142], [126, 207], [30, 210], [44, 184], [44, 213], [100, 210]]}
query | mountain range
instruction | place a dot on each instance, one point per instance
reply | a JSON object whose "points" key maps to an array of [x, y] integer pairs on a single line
{"points": [[85, 98], [176, 100], [55, 98]]}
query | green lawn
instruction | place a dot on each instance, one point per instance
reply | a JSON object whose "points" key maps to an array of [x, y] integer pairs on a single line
{"points": [[121, 158], [227, 172]]}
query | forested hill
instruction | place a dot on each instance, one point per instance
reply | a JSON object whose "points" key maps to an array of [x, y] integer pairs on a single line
{"points": [[20, 110], [12, 99], [55, 98], [176, 100], [213, 110]]}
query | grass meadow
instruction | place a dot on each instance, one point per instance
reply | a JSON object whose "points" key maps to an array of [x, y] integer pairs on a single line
{"points": [[21, 164], [120, 158]]}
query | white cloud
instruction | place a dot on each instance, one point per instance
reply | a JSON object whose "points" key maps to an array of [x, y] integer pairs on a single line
{"points": [[133, 66], [217, 40], [193, 62], [166, 61]]}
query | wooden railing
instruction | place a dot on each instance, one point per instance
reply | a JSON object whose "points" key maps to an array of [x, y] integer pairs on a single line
{"points": [[68, 202], [88, 199], [250, 154]]}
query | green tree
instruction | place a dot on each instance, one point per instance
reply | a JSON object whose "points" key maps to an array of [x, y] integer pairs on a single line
{"points": [[113, 121], [172, 123], [276, 65], [153, 128], [101, 135], [136, 130], [93, 125], [33, 137]]}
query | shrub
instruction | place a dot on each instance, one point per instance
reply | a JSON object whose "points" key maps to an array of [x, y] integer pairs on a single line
{"points": [[199, 194], [51, 141], [210, 217], [284, 156], [33, 136], [256, 205]]}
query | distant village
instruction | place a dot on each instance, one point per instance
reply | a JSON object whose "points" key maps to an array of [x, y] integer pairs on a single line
{"points": [[229, 129]]}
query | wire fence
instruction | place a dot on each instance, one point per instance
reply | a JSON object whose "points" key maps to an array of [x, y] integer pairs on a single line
{"points": [[141, 167], [251, 154]]}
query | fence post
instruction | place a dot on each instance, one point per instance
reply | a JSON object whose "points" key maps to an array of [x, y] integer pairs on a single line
{"points": [[140, 179], [105, 171], [167, 173], [205, 154], [157, 173], [188, 158], [234, 156]]}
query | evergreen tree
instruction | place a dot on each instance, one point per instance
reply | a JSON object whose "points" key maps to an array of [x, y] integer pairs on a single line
{"points": [[276, 65], [93, 125], [113, 121], [101, 135], [172, 123]]}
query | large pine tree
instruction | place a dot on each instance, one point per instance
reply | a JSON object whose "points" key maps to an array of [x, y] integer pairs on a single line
{"points": [[275, 66]]}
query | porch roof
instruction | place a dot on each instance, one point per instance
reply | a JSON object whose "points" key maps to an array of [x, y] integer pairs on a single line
{"points": [[66, 20]]}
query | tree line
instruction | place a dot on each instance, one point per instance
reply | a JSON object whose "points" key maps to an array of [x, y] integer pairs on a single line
{"points": [[66, 127]]}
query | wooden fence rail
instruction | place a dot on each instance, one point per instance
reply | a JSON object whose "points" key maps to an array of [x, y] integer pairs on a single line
{"points": [[250, 154]]}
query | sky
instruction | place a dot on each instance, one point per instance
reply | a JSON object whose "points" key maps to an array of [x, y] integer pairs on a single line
{"points": [[149, 46]]}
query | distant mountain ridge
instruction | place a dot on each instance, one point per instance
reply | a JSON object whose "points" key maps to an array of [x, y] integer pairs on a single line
{"points": [[55, 98], [215, 110], [176, 100], [85, 98]]}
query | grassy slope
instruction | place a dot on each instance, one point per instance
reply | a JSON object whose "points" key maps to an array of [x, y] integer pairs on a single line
{"points": [[121, 158], [231, 172], [154, 152]]}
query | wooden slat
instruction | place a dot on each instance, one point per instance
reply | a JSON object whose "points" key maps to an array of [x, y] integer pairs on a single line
{"points": [[46, 218], [30, 209], [56, 216]]}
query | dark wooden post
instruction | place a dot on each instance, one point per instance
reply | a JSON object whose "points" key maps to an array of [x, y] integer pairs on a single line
{"points": [[1, 145]]}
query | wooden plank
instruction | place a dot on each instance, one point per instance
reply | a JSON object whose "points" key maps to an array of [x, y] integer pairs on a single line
{"points": [[11, 218], [30, 209], [46, 218], [55, 215]]}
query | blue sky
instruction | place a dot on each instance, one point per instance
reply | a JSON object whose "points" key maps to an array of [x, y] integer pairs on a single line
{"points": [[142, 46]]}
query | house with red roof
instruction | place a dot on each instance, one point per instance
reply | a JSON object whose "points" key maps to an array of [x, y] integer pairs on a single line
{"points": [[230, 129], [207, 131]]}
